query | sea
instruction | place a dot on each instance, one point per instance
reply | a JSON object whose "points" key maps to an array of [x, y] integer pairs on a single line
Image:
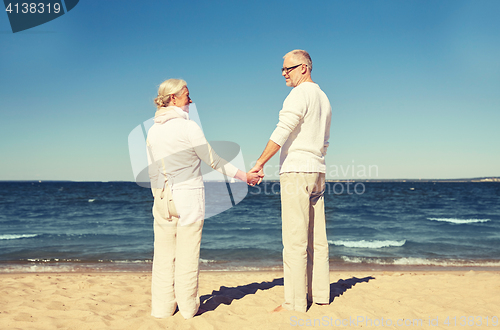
{"points": [[108, 226]]}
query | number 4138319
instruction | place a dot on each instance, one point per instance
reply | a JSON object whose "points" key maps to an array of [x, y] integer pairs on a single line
{"points": [[33, 8]]}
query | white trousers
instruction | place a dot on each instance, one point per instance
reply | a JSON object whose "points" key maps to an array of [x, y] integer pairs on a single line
{"points": [[305, 245], [176, 256]]}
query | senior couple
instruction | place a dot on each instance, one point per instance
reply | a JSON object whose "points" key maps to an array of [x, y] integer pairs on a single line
{"points": [[176, 147]]}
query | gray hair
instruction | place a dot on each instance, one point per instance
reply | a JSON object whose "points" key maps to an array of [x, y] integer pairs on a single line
{"points": [[301, 56], [166, 89]]}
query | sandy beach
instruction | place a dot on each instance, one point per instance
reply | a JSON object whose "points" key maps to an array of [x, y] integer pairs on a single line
{"points": [[245, 300]]}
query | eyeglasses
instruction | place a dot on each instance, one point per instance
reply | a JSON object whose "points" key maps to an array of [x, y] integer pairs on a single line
{"points": [[289, 69]]}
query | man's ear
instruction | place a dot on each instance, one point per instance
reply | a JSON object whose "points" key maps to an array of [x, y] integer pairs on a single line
{"points": [[303, 69]]}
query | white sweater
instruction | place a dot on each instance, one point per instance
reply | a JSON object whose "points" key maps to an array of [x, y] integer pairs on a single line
{"points": [[182, 146], [303, 129]]}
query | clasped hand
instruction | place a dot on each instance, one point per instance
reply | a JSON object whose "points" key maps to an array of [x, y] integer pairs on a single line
{"points": [[255, 175]]}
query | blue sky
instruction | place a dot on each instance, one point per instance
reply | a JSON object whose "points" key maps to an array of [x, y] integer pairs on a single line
{"points": [[414, 85]]}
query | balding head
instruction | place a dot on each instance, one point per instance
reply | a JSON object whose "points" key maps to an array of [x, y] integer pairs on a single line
{"points": [[301, 56]]}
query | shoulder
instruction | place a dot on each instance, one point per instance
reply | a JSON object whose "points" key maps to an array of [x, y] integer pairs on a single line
{"points": [[304, 89], [296, 94], [313, 90], [309, 87], [303, 92], [193, 130], [191, 125]]}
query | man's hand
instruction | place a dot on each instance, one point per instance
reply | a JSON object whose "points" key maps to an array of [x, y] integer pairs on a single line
{"points": [[271, 149], [251, 178], [254, 178], [259, 169]]}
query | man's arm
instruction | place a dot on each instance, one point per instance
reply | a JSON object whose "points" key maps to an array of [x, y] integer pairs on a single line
{"points": [[270, 150], [289, 117], [205, 152]]}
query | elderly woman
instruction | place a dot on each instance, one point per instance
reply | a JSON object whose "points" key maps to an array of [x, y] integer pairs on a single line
{"points": [[176, 147]]}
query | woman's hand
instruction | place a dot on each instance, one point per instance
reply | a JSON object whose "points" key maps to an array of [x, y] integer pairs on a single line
{"points": [[254, 178], [251, 178]]}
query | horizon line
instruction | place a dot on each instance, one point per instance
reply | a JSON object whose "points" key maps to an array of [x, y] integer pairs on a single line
{"points": [[494, 178]]}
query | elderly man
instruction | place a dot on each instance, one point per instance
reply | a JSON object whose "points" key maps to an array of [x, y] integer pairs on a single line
{"points": [[302, 134]]}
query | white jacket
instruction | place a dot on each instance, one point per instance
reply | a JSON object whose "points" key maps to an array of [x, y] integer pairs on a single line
{"points": [[303, 129], [179, 145]]}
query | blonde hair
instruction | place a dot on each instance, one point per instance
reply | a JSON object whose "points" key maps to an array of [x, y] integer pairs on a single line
{"points": [[301, 56], [166, 89]]}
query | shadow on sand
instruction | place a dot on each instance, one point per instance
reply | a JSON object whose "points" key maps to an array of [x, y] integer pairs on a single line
{"points": [[338, 289], [226, 295]]}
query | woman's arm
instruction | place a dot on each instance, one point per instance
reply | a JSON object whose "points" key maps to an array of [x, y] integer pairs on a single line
{"points": [[205, 152]]}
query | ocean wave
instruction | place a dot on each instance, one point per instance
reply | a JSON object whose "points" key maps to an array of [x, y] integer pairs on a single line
{"points": [[13, 236], [458, 221], [422, 262], [130, 261], [368, 244], [37, 269], [245, 269], [52, 260]]}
